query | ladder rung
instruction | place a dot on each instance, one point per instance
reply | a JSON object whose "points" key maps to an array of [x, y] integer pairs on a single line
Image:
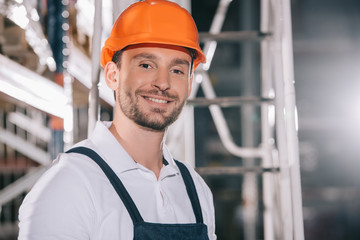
{"points": [[234, 170], [229, 101], [233, 36]]}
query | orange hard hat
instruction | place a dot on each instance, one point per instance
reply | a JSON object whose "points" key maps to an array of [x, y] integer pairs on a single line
{"points": [[153, 21]]}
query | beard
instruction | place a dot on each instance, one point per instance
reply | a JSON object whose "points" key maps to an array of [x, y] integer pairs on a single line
{"points": [[156, 119]]}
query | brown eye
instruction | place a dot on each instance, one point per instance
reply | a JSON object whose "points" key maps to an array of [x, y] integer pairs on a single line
{"points": [[177, 71], [144, 65]]}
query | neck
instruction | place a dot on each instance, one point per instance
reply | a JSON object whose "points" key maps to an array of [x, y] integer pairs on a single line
{"points": [[145, 146]]}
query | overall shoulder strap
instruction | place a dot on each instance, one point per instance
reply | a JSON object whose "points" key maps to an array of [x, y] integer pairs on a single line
{"points": [[114, 180], [191, 190]]}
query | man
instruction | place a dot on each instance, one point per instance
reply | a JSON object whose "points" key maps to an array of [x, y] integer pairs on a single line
{"points": [[122, 182]]}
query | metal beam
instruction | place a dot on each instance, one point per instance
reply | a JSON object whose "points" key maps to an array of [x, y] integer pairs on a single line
{"points": [[234, 170], [24, 147], [233, 36], [94, 105], [30, 125], [229, 101], [31, 88]]}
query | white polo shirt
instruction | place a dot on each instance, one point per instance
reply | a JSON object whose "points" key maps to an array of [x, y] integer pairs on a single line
{"points": [[75, 200]]}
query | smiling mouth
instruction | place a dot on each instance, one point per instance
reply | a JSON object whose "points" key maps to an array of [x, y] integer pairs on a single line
{"points": [[156, 100]]}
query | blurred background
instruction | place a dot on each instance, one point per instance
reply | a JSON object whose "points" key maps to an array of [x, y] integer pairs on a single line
{"points": [[46, 71]]}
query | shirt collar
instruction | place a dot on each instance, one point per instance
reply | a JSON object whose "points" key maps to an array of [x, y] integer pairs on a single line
{"points": [[115, 155]]}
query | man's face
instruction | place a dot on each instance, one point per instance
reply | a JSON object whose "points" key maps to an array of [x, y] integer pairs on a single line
{"points": [[154, 84]]}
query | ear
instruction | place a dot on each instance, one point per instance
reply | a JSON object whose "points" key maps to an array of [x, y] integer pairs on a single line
{"points": [[111, 72]]}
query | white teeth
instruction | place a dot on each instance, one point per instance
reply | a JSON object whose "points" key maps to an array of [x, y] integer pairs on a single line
{"points": [[157, 100]]}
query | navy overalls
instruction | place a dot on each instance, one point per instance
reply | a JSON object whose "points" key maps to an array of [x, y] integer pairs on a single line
{"points": [[155, 231]]}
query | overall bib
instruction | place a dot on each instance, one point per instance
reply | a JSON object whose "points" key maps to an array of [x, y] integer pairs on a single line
{"points": [[154, 231]]}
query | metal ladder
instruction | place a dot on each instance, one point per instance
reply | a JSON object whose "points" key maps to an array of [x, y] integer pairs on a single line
{"points": [[279, 154]]}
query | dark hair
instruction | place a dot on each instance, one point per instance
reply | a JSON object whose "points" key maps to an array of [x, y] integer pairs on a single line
{"points": [[193, 57], [117, 58], [192, 52]]}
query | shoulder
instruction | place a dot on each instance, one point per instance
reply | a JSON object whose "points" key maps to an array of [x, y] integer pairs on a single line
{"points": [[66, 177], [66, 173], [63, 191]]}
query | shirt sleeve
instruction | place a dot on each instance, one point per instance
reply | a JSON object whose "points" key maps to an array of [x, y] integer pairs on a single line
{"points": [[58, 207]]}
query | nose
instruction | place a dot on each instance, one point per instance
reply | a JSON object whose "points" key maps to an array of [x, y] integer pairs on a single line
{"points": [[162, 80]]}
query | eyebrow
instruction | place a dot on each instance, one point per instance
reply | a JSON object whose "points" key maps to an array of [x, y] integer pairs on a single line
{"points": [[180, 61], [176, 61], [145, 55]]}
